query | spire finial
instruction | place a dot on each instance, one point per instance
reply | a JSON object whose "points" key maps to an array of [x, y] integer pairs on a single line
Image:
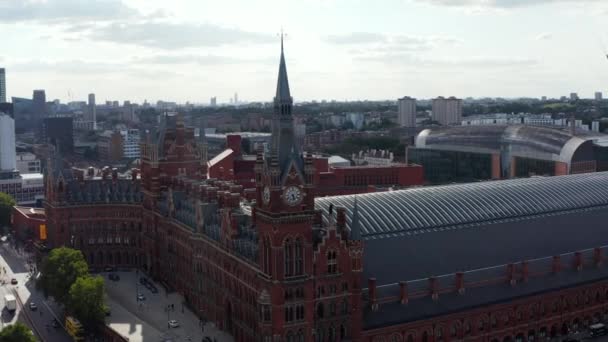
{"points": [[282, 35]]}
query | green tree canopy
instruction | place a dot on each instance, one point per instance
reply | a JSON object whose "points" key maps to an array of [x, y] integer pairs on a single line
{"points": [[86, 300], [17, 332], [6, 204], [60, 270]]}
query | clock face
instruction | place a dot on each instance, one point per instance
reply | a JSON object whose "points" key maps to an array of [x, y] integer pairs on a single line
{"points": [[266, 195], [292, 195]]}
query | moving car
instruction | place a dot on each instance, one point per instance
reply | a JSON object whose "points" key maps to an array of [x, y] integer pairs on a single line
{"points": [[114, 276], [14, 281], [173, 324], [33, 306], [141, 297]]}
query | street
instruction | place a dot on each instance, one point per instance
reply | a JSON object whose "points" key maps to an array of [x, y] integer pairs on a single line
{"points": [[15, 264], [147, 320]]}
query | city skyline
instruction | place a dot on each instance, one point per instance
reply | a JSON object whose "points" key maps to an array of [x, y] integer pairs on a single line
{"points": [[192, 51]]}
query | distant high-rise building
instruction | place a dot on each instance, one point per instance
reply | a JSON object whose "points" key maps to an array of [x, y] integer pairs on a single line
{"points": [[91, 109], [213, 101], [59, 131], [573, 96], [8, 161], [407, 112], [544, 98], [2, 85], [39, 105], [236, 98], [598, 96], [447, 111]]}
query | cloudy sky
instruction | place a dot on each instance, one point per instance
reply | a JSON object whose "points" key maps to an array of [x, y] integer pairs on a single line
{"points": [[190, 50]]}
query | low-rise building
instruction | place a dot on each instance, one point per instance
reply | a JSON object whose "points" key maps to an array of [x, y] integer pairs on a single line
{"points": [[28, 163], [110, 146]]}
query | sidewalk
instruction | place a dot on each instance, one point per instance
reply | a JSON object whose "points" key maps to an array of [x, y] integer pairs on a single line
{"points": [[151, 315]]}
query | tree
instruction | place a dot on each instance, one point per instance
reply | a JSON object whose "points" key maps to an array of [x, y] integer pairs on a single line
{"points": [[17, 332], [85, 300], [60, 270], [6, 206]]}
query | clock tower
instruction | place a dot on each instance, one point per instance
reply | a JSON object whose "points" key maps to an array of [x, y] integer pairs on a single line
{"points": [[284, 215]]}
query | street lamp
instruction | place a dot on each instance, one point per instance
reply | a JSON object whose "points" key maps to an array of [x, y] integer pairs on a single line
{"points": [[168, 310]]}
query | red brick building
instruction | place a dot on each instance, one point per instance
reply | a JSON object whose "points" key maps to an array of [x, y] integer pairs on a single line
{"points": [[26, 222], [487, 261]]}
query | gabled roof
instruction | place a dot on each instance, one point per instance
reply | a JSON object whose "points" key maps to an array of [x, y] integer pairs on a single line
{"points": [[225, 153]]}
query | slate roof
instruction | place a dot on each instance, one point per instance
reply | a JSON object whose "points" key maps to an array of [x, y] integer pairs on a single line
{"points": [[418, 233], [478, 228], [420, 210], [121, 191]]}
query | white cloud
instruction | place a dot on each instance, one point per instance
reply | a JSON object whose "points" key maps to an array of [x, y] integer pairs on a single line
{"points": [[499, 3], [543, 36], [173, 35], [406, 60], [63, 10]]}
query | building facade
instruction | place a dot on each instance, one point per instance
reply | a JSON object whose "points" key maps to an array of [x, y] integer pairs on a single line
{"points": [[110, 146], [2, 85], [407, 112], [59, 131], [91, 110], [28, 163], [7, 143], [447, 111], [130, 143], [276, 263]]}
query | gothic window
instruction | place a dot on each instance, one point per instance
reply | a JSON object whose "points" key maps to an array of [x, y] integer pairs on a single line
{"points": [[320, 310], [332, 308], [289, 337], [266, 256], [299, 258], [265, 313], [300, 336], [332, 262], [288, 250], [332, 333], [289, 314], [300, 312], [396, 338], [344, 307]]}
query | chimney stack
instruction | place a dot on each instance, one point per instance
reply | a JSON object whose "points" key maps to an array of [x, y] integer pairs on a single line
{"points": [[433, 288], [525, 272]]}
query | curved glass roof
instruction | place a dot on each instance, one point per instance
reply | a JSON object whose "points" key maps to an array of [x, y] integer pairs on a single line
{"points": [[427, 209], [544, 142]]}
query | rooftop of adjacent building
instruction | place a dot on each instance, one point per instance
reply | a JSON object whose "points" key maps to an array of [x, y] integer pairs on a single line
{"points": [[31, 212]]}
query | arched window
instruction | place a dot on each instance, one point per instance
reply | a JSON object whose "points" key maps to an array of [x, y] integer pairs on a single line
{"points": [[299, 257], [344, 310], [396, 337], [288, 251], [332, 333], [439, 334], [289, 337], [410, 338], [332, 262], [266, 257], [300, 336], [320, 310]]}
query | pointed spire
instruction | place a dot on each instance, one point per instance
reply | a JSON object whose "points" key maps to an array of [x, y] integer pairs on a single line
{"points": [[283, 93], [355, 226]]}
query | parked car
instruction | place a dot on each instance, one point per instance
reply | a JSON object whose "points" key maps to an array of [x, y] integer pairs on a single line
{"points": [[14, 281], [110, 269], [33, 306], [173, 324]]}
